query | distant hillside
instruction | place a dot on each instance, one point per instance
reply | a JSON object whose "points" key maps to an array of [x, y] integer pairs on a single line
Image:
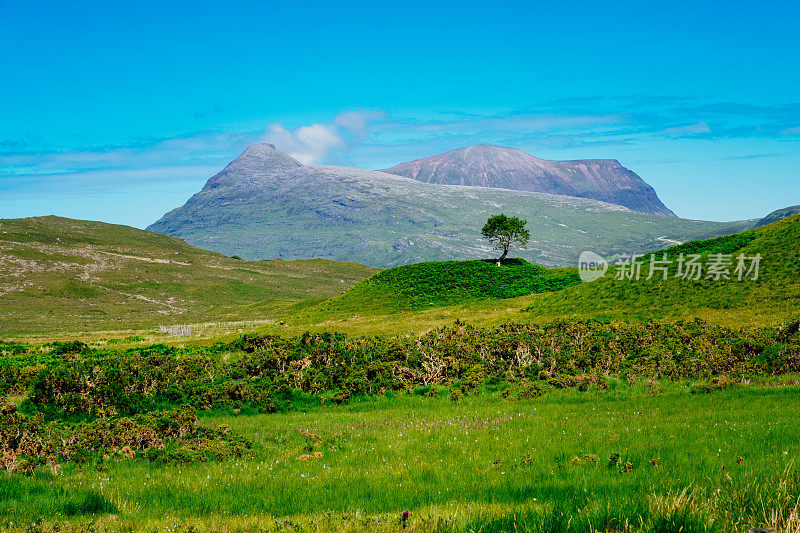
{"points": [[777, 215], [265, 204], [442, 283], [59, 274], [509, 168]]}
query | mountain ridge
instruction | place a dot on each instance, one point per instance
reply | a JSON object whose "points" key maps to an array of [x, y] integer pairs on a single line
{"points": [[778, 214], [486, 165], [265, 205]]}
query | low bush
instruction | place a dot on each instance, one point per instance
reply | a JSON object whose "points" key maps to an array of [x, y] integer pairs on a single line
{"points": [[263, 373], [176, 436]]}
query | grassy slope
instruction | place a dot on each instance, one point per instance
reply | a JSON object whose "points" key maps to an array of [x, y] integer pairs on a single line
{"points": [[772, 299], [241, 289], [63, 275], [443, 283]]}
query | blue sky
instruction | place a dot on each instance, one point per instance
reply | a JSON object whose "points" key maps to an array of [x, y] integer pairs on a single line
{"points": [[120, 111]]}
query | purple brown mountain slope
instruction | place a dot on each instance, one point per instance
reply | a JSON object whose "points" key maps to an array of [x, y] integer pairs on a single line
{"points": [[509, 168]]}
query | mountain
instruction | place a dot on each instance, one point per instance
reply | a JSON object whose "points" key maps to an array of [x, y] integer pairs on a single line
{"points": [[778, 214], [508, 168], [265, 205], [63, 275]]}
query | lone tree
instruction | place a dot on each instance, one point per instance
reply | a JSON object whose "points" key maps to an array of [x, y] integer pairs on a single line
{"points": [[503, 232]]}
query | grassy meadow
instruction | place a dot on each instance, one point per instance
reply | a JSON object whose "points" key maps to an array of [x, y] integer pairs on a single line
{"points": [[635, 457], [578, 426], [333, 397]]}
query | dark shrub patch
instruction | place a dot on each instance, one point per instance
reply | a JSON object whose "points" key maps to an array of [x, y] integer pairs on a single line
{"points": [[262, 371]]}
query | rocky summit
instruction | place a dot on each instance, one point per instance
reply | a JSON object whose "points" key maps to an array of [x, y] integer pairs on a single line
{"points": [[508, 168]]}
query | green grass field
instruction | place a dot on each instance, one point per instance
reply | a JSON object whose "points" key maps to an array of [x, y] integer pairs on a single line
{"points": [[446, 283], [151, 285], [625, 459], [568, 427]]}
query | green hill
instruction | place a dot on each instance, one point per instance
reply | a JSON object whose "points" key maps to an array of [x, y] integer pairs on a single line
{"points": [[443, 283], [425, 295], [773, 297], [63, 275]]}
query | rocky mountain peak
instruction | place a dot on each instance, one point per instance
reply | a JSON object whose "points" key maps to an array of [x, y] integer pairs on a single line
{"points": [[257, 159], [502, 167]]}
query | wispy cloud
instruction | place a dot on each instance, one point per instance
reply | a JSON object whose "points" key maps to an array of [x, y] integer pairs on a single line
{"points": [[569, 128], [356, 122], [751, 156], [203, 148], [312, 144], [688, 130]]}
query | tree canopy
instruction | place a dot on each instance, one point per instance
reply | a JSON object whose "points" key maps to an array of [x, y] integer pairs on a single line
{"points": [[504, 232]]}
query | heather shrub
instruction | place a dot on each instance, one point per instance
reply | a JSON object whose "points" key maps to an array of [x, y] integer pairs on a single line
{"points": [[27, 443], [262, 373]]}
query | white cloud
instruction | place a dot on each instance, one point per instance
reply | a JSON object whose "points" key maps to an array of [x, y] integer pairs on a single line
{"points": [[307, 144], [312, 144]]}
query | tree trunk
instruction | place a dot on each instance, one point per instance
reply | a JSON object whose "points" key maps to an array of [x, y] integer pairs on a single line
{"points": [[505, 253]]}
